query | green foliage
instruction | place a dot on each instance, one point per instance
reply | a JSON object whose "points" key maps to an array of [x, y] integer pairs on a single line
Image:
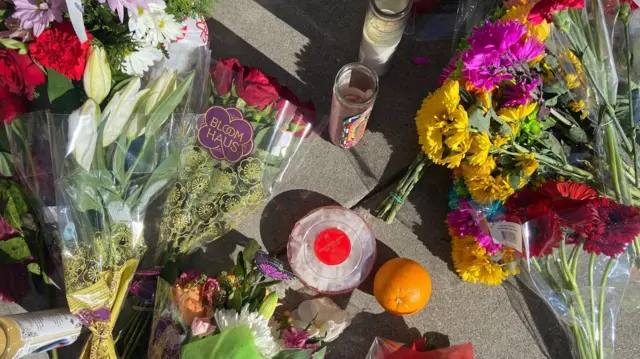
{"points": [[189, 8], [236, 343], [106, 28], [57, 84]]}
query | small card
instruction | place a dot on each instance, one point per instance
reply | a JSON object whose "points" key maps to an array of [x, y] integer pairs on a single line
{"points": [[507, 234]]}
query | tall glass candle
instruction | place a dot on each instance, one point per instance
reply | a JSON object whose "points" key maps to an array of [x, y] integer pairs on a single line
{"points": [[383, 28], [354, 92]]}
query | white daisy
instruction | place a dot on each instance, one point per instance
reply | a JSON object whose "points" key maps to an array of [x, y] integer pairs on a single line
{"points": [[139, 61], [262, 333], [154, 26]]}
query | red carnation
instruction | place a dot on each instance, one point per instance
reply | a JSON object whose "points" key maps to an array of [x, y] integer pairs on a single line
{"points": [[223, 73], [11, 105], [19, 74], [619, 226], [60, 49], [545, 8], [256, 88]]}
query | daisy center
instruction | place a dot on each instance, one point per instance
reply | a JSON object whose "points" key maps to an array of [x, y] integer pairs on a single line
{"points": [[43, 5], [161, 24], [140, 11]]}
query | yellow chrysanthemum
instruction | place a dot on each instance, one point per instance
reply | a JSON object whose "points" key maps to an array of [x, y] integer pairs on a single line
{"points": [[483, 169], [472, 263], [480, 146], [458, 129], [485, 100], [484, 189], [500, 140], [443, 126], [528, 163], [579, 107], [517, 13], [520, 13], [574, 61], [517, 113], [572, 80]]}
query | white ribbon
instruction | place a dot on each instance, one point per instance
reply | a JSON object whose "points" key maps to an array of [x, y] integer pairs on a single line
{"points": [[75, 13]]}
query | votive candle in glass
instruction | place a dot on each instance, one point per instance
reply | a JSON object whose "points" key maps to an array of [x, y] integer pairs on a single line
{"points": [[382, 31], [354, 92]]}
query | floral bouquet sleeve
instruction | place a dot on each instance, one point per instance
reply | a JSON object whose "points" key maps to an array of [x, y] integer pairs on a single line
{"points": [[239, 149], [108, 169]]}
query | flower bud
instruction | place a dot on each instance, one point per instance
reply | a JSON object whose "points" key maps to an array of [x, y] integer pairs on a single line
{"points": [[269, 305], [83, 133], [97, 75], [118, 112]]}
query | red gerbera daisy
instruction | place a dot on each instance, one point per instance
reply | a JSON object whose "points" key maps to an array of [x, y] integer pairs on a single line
{"points": [[568, 190], [620, 226], [544, 228]]}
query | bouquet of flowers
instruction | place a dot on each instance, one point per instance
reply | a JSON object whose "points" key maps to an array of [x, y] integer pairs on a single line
{"points": [[388, 349], [244, 143], [575, 258], [107, 172], [232, 315]]}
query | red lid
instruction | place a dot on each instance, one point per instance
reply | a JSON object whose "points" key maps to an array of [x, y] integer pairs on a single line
{"points": [[332, 246]]}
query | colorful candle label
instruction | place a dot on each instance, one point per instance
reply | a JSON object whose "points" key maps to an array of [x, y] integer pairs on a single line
{"points": [[353, 128], [226, 134]]}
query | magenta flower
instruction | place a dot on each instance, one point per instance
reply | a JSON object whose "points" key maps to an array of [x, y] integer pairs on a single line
{"points": [[526, 90], [462, 222], [295, 339], [451, 67], [528, 51], [37, 14]]}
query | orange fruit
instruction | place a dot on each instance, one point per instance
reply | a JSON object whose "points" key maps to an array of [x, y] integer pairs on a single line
{"points": [[402, 286]]}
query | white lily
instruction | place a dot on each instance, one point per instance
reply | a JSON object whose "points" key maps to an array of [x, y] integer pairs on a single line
{"points": [[159, 88], [97, 75], [321, 317], [83, 133], [118, 112]]}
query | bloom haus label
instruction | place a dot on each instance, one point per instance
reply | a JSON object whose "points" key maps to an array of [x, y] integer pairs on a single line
{"points": [[226, 134]]}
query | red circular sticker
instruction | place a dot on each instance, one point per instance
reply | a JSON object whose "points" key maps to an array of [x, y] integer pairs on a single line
{"points": [[332, 246]]}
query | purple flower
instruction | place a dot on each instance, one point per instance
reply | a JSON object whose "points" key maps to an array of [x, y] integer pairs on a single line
{"points": [[526, 90], [37, 14], [495, 50], [210, 290], [462, 222], [451, 67], [528, 51], [118, 6], [295, 339]]}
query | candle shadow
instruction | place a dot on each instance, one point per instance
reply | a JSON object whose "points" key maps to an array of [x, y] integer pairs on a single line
{"points": [[384, 253], [283, 212]]}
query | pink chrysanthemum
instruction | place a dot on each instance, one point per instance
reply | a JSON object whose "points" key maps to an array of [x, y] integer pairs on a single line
{"points": [[524, 91], [37, 14]]}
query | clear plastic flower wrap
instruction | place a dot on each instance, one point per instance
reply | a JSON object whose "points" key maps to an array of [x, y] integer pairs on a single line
{"points": [[109, 165], [245, 143], [575, 257]]}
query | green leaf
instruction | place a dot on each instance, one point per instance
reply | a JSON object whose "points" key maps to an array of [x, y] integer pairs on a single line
{"points": [[234, 301], [295, 354], [577, 134], [164, 110], [320, 353], [552, 143], [6, 167], [57, 84], [264, 136], [33, 268], [119, 156], [478, 120], [249, 252], [15, 206], [240, 268], [16, 248], [514, 182], [162, 176], [236, 343]]}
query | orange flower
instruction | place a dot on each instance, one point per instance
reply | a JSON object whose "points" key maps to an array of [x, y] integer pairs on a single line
{"points": [[189, 302]]}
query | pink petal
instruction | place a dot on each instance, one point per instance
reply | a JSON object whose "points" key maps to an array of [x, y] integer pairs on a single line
{"points": [[420, 60]]}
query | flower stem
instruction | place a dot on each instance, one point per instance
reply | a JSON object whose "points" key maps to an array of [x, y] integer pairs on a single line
{"points": [[603, 284], [592, 299], [388, 209]]}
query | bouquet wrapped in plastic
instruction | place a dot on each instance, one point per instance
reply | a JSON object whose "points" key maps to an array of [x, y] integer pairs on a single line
{"points": [[575, 258], [238, 150], [388, 349], [109, 166]]}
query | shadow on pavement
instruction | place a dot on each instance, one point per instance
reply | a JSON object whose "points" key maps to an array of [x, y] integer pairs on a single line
{"points": [[383, 254], [539, 320]]}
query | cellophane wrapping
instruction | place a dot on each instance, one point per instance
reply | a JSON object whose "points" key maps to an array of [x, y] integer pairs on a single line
{"points": [[237, 151]]}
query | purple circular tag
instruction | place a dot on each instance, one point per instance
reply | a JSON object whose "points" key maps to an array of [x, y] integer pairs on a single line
{"points": [[226, 134]]}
